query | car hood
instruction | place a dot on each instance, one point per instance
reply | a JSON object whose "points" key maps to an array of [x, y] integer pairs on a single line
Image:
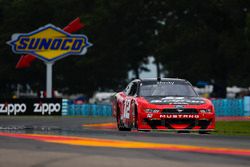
{"points": [[175, 100]]}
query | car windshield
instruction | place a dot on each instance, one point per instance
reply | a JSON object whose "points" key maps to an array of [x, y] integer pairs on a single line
{"points": [[167, 89]]}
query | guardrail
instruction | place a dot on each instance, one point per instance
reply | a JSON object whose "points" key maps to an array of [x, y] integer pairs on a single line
{"points": [[88, 110], [232, 107], [229, 107], [223, 107]]}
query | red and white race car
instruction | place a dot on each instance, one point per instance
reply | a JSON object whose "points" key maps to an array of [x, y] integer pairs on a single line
{"points": [[163, 104]]}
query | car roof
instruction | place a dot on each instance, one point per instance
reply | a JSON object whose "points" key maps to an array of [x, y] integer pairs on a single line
{"points": [[159, 79]]}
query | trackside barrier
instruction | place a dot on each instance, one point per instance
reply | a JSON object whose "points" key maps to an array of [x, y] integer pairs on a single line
{"points": [[89, 110], [65, 106], [223, 107], [247, 105], [232, 107]]}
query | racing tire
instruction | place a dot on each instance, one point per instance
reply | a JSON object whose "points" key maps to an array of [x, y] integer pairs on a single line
{"points": [[204, 132], [135, 118], [183, 131]]}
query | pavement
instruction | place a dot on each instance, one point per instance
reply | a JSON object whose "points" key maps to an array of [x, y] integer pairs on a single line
{"points": [[89, 141]]}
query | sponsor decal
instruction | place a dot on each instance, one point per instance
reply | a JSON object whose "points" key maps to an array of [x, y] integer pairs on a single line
{"points": [[47, 108], [30, 107], [49, 43], [178, 100], [155, 101], [12, 108], [166, 82], [127, 107], [149, 115]]}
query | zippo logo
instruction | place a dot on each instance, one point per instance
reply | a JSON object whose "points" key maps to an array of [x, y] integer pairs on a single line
{"points": [[47, 108], [13, 108], [49, 43]]}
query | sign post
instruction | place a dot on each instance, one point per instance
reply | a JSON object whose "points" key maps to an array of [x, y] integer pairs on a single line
{"points": [[49, 44], [49, 79]]}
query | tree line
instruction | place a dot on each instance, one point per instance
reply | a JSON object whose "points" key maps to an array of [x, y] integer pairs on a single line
{"points": [[196, 40]]}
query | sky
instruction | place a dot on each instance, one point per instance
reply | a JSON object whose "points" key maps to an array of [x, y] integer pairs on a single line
{"points": [[151, 66]]}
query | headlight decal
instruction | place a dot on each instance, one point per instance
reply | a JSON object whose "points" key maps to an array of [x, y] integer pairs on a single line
{"points": [[149, 110], [205, 110]]}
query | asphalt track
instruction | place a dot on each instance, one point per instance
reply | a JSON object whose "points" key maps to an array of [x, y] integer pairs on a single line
{"points": [[78, 141]]}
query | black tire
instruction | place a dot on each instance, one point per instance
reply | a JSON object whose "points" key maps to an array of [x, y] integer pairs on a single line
{"points": [[135, 117], [183, 131], [204, 132]]}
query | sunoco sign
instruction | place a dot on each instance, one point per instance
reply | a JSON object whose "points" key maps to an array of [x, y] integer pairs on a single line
{"points": [[31, 107], [49, 43]]}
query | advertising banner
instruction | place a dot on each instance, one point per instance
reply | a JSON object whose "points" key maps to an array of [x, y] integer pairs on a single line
{"points": [[49, 43], [42, 107]]}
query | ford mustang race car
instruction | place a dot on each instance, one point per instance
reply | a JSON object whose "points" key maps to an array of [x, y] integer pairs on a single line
{"points": [[163, 104]]}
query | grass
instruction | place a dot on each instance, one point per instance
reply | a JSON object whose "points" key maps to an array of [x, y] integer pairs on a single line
{"points": [[232, 128]]}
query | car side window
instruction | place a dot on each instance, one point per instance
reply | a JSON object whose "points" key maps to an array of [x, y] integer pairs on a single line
{"points": [[127, 90], [133, 89]]}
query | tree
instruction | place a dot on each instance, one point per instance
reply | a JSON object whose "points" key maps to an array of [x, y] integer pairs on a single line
{"points": [[196, 40]]}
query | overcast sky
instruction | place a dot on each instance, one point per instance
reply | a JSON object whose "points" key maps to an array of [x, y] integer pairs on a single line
{"points": [[151, 74]]}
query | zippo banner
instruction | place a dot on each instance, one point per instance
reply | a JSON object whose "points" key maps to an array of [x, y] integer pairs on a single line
{"points": [[42, 107]]}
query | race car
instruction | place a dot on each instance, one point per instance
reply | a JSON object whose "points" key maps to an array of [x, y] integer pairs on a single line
{"points": [[162, 104]]}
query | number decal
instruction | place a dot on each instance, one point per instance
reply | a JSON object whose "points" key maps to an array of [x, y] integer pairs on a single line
{"points": [[127, 108]]}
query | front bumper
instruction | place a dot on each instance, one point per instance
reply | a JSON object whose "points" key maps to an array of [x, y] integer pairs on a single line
{"points": [[201, 121]]}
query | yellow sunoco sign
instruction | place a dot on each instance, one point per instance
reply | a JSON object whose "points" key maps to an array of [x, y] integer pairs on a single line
{"points": [[49, 43]]}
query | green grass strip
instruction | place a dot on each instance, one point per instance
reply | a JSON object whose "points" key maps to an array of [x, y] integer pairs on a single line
{"points": [[232, 128]]}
